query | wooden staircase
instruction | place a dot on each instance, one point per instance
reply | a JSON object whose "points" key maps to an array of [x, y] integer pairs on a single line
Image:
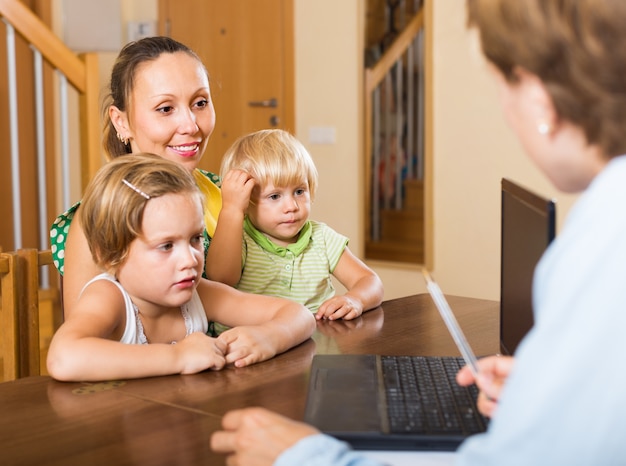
{"points": [[402, 231], [394, 137]]}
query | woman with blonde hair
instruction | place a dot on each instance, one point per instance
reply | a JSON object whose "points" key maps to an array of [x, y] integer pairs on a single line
{"points": [[159, 101]]}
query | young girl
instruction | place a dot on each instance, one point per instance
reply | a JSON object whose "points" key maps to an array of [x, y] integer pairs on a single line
{"points": [[284, 253], [149, 311]]}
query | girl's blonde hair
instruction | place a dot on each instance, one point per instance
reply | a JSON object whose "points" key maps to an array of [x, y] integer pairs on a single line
{"points": [[111, 211], [272, 156]]}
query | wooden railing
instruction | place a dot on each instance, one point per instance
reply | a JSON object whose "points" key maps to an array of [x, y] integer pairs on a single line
{"points": [[394, 149], [40, 70]]}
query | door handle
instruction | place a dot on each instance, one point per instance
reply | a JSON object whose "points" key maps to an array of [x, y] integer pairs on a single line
{"points": [[271, 103]]}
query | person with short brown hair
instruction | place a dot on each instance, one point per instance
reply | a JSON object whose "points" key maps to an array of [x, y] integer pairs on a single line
{"points": [[560, 69]]}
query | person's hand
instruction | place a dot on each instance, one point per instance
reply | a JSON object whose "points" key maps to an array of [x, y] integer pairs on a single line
{"points": [[236, 189], [246, 346], [340, 307], [256, 436], [198, 352], [493, 372]]}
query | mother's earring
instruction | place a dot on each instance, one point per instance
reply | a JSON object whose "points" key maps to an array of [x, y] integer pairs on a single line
{"points": [[122, 139], [544, 128]]}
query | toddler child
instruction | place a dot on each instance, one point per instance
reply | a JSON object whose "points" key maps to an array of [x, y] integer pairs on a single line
{"points": [[284, 253]]}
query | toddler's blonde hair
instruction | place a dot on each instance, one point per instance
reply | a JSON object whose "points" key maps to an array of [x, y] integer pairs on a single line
{"points": [[272, 156]]}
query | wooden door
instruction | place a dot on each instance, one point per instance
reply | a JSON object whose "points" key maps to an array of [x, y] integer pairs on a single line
{"points": [[247, 47]]}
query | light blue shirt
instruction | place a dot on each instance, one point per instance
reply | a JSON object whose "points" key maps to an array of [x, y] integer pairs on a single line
{"points": [[322, 450], [564, 403]]}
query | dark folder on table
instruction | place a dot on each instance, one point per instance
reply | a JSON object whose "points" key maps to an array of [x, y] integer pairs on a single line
{"points": [[379, 402]]}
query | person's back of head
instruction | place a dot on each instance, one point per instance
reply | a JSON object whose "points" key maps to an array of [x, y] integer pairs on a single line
{"points": [[272, 156], [122, 82], [573, 47], [112, 208]]}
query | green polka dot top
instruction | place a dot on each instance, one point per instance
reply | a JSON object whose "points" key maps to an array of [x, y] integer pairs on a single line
{"points": [[58, 235]]}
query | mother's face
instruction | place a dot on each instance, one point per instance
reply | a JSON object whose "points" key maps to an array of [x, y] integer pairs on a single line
{"points": [[169, 112]]}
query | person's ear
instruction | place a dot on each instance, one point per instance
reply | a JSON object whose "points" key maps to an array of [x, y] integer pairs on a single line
{"points": [[248, 207], [120, 121], [538, 99]]}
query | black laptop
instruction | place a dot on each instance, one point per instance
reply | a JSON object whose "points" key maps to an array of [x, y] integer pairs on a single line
{"points": [[377, 402], [528, 226], [396, 402]]}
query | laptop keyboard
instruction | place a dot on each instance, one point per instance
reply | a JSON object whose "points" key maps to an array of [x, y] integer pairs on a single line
{"points": [[423, 396]]}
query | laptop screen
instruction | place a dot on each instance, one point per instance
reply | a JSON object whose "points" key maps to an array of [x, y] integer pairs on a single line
{"points": [[528, 227]]}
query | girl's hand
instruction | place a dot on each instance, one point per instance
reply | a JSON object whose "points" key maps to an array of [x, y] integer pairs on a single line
{"points": [[198, 352]]}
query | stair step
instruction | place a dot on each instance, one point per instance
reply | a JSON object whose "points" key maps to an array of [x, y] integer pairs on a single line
{"points": [[401, 225], [414, 195], [401, 231], [396, 251]]}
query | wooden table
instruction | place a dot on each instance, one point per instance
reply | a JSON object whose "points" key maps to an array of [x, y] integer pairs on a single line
{"points": [[168, 420]]}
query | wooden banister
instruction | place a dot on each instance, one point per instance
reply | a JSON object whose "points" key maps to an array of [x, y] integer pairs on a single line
{"points": [[81, 72], [20, 269], [90, 131], [39, 35], [374, 75]]}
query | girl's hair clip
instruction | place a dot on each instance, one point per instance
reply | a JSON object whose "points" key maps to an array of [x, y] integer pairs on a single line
{"points": [[135, 188]]}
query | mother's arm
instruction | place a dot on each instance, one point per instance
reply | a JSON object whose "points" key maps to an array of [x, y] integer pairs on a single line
{"points": [[79, 266]]}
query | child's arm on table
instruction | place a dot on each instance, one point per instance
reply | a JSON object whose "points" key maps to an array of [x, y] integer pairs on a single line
{"points": [[364, 290], [262, 326], [87, 347]]}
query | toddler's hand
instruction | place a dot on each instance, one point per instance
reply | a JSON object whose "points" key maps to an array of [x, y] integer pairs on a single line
{"points": [[198, 352], [339, 307], [246, 346], [236, 189]]}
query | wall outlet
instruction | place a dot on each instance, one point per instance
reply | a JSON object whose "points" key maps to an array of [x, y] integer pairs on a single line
{"points": [[322, 135]]}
